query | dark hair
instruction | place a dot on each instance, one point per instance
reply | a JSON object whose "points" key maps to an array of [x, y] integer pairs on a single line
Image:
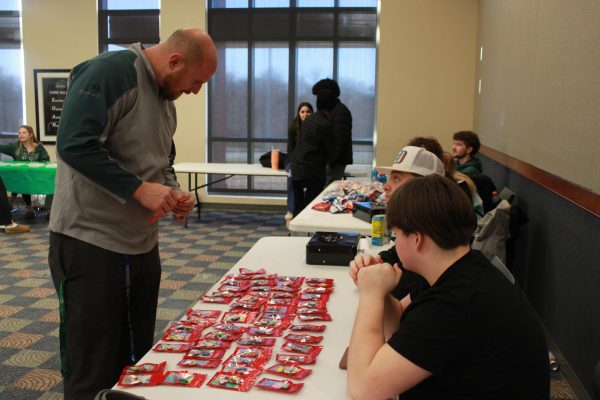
{"points": [[326, 86], [470, 139], [297, 122], [433, 206], [430, 144]]}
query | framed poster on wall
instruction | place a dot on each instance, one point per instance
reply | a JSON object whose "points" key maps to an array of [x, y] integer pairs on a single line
{"points": [[50, 92]]}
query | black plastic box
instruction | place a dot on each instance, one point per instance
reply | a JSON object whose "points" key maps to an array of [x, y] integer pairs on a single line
{"points": [[365, 210], [332, 248]]}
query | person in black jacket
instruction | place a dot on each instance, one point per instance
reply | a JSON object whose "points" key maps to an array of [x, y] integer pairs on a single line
{"points": [[341, 117], [313, 151]]}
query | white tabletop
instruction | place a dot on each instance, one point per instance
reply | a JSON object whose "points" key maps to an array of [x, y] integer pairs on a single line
{"points": [[310, 220], [285, 256], [228, 169]]}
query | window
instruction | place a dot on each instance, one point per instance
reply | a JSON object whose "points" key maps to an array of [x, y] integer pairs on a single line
{"points": [[123, 22], [11, 71], [271, 52]]}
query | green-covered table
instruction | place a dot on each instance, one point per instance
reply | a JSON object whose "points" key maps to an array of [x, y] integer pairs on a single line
{"points": [[28, 177]]}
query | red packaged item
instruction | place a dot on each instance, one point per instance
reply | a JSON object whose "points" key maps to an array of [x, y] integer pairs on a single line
{"points": [[249, 302], [264, 276], [319, 282], [311, 311], [211, 344], [242, 317], [205, 354], [216, 299], [260, 289], [314, 317], [251, 352], [314, 296], [283, 386], [289, 370], [232, 367], [181, 326], [171, 336], [302, 348], [203, 314], [322, 206], [151, 379], [264, 331], [200, 323], [143, 368], [199, 363], [282, 295], [291, 280], [230, 328], [320, 303], [302, 339], [296, 358], [284, 288], [308, 327], [257, 341], [281, 302], [318, 290], [262, 282], [246, 271], [235, 288], [222, 380], [172, 347], [279, 309], [222, 335], [281, 321], [183, 378]]}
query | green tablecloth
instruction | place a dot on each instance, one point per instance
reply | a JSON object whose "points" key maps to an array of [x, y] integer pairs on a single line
{"points": [[28, 177]]}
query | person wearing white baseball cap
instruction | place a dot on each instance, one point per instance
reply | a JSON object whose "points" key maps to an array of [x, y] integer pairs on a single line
{"points": [[411, 161]]}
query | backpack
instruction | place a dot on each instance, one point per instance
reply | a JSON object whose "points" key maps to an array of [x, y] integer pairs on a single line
{"points": [[492, 232]]}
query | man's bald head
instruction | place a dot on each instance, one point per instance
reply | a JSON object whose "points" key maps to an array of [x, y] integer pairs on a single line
{"points": [[194, 44]]}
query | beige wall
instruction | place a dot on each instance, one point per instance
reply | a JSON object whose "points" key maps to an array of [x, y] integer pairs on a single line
{"points": [[426, 68], [57, 34], [426, 71], [541, 85]]}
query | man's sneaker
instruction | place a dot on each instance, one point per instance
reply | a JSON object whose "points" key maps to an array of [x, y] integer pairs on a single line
{"points": [[17, 228]]}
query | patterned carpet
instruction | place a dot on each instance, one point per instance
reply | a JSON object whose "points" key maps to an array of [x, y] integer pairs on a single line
{"points": [[193, 259]]}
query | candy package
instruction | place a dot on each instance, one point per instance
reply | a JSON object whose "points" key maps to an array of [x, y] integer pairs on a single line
{"points": [[181, 326], [302, 348], [281, 302], [216, 299], [311, 311], [199, 363], [174, 336], [282, 295], [249, 302], [183, 378], [314, 296], [318, 290], [262, 282], [203, 314], [284, 310], [314, 317], [211, 344], [172, 347], [281, 321], [144, 368], [308, 328], [242, 317], [264, 331], [233, 367], [289, 370], [296, 358], [222, 335], [319, 282], [304, 339], [284, 386], [150, 379], [246, 271], [318, 303], [230, 328], [205, 354], [257, 341], [223, 380]]}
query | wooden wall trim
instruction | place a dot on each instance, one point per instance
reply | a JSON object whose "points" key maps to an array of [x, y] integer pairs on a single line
{"points": [[576, 194]]}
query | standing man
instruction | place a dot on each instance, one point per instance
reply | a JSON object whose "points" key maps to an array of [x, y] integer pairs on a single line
{"points": [[465, 144], [341, 118], [112, 185]]}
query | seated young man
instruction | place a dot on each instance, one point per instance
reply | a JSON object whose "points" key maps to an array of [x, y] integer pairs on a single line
{"points": [[465, 144], [471, 335], [411, 162]]}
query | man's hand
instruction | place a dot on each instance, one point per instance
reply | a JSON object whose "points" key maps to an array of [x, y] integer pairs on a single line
{"points": [[378, 279], [156, 197], [361, 261], [185, 204]]}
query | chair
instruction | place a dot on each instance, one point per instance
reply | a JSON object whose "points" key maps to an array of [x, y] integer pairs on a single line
{"points": [[109, 394], [487, 191]]}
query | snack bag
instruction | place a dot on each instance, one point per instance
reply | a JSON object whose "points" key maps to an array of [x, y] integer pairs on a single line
{"points": [[211, 344], [215, 299], [264, 331], [222, 335], [199, 363], [302, 348], [172, 347], [242, 317], [318, 290], [257, 341], [283, 386], [183, 378], [203, 314], [246, 271], [289, 370], [302, 339], [174, 336], [230, 328], [144, 368], [222, 380], [319, 282], [314, 317], [308, 327], [205, 353], [150, 379], [310, 310], [314, 296], [296, 358]]}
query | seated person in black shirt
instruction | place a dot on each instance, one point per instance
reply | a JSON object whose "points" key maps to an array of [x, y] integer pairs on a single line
{"points": [[410, 162], [471, 335]]}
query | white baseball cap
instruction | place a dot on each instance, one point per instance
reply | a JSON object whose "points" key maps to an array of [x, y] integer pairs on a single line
{"points": [[415, 160]]}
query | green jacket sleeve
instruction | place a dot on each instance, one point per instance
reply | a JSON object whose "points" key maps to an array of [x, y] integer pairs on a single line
{"points": [[8, 149], [95, 87]]}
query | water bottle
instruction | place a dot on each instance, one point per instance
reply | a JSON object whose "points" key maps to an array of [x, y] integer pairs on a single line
{"points": [[374, 175]]}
